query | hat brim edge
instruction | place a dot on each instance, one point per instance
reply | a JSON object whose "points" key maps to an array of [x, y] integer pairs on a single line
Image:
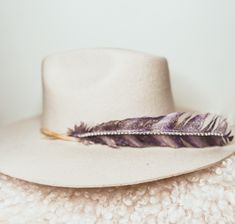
{"points": [[28, 155]]}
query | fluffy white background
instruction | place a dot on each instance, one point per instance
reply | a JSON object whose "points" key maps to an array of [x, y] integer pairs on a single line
{"points": [[207, 196], [197, 37]]}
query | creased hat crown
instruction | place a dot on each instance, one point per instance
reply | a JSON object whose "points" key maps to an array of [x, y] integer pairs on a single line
{"points": [[95, 85]]}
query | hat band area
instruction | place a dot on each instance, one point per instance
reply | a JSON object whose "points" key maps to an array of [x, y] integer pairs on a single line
{"points": [[178, 129]]}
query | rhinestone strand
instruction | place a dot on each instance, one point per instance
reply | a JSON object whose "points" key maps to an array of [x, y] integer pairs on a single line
{"points": [[133, 132]]}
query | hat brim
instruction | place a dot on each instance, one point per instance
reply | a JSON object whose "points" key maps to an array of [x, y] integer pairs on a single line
{"points": [[26, 154]]}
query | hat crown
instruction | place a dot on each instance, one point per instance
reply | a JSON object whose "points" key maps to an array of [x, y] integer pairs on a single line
{"points": [[102, 84]]}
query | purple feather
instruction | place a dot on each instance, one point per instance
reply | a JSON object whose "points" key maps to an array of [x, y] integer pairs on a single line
{"points": [[178, 129]]}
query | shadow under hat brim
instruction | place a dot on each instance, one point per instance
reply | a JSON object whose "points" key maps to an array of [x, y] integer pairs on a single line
{"points": [[28, 155]]}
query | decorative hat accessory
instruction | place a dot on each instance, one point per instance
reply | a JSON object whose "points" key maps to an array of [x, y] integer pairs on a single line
{"points": [[172, 130]]}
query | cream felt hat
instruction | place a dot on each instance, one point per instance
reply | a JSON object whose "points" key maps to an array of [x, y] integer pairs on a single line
{"points": [[97, 85]]}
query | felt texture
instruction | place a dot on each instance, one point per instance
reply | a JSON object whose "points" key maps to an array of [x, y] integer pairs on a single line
{"points": [[121, 84], [33, 157], [102, 84], [93, 86]]}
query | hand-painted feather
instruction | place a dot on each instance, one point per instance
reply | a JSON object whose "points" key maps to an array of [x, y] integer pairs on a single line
{"points": [[179, 129]]}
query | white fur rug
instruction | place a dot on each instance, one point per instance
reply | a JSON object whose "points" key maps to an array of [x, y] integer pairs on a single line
{"points": [[206, 196]]}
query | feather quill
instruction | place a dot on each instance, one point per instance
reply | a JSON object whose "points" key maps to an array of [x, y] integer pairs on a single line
{"points": [[178, 129]]}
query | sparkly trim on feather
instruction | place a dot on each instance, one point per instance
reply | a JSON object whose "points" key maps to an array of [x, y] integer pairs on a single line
{"points": [[178, 129]]}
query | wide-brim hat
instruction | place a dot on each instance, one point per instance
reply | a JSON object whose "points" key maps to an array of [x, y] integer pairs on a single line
{"points": [[93, 86]]}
